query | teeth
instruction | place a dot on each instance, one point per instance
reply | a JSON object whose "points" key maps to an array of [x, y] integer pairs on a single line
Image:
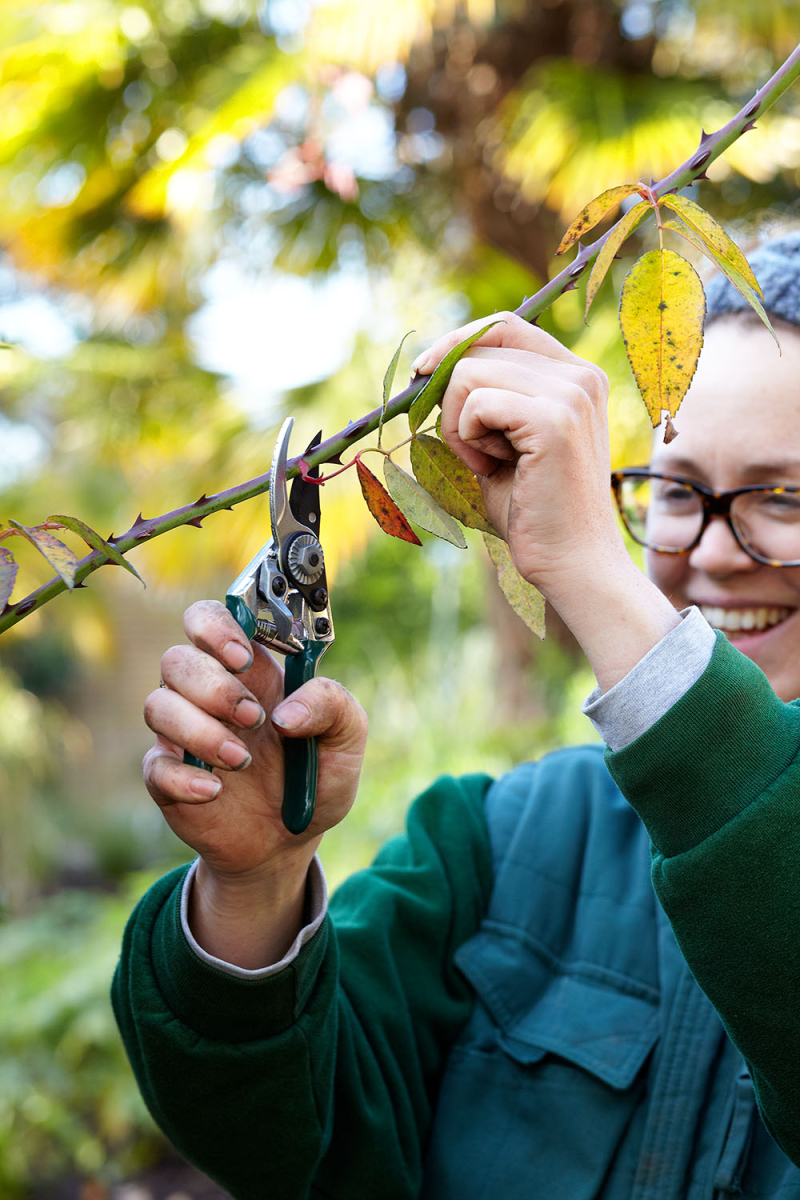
{"points": [[731, 620]]}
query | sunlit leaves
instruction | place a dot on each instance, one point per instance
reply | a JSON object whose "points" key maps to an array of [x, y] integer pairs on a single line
{"points": [[94, 540], [594, 212], [445, 477], [419, 506], [383, 507], [60, 557], [526, 601], [8, 574], [436, 386], [617, 236], [753, 298], [661, 312]]}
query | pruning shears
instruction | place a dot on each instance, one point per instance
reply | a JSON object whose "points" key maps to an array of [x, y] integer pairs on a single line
{"points": [[281, 600]]}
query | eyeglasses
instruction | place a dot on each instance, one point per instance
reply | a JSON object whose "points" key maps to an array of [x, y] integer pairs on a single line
{"points": [[670, 514]]}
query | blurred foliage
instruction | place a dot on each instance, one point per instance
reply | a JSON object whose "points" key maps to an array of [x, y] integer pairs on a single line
{"points": [[218, 210], [68, 1103]]}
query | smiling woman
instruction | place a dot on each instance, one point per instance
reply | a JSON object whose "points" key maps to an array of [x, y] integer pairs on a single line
{"points": [[739, 427], [497, 1005]]}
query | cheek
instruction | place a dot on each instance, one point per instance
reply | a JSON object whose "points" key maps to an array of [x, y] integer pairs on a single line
{"points": [[668, 572]]}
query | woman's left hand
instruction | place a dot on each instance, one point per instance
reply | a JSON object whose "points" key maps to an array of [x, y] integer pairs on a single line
{"points": [[529, 418]]}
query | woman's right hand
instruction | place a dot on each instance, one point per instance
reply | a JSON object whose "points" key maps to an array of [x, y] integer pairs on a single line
{"points": [[223, 701]]}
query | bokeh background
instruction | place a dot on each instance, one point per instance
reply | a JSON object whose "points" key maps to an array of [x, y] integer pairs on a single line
{"points": [[216, 212]]}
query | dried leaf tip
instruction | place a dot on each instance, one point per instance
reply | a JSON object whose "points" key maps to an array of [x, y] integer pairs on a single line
{"points": [[670, 432]]}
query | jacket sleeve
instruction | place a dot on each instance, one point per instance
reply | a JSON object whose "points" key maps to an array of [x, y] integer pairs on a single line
{"points": [[717, 783], [319, 1080]]}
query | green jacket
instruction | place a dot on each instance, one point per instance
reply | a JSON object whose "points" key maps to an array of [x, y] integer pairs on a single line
{"points": [[324, 1080]]}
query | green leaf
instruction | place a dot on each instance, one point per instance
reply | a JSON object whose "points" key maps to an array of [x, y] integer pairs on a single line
{"points": [[661, 311], [526, 601], [60, 557], [96, 542], [633, 217], [8, 575], [594, 212], [715, 241], [383, 507], [741, 284], [445, 477], [419, 507], [436, 386], [388, 380]]}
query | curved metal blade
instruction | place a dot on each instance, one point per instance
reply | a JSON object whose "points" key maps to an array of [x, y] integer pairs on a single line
{"points": [[304, 497], [278, 496]]}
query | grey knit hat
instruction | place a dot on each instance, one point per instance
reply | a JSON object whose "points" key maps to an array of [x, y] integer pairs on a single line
{"points": [[776, 264]]}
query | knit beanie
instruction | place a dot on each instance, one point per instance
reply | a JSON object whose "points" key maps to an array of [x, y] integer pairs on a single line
{"points": [[776, 264]]}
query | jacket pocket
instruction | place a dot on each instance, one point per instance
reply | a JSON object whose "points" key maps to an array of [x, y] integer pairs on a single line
{"points": [[540, 1091]]}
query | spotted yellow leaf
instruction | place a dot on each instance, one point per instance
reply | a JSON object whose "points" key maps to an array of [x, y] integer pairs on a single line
{"points": [[526, 601], [594, 212], [714, 240], [661, 312], [739, 282]]}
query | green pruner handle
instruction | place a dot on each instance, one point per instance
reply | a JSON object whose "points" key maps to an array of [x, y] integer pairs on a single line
{"points": [[238, 609], [301, 756]]}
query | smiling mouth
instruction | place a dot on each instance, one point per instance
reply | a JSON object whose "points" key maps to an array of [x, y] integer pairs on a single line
{"points": [[744, 620]]}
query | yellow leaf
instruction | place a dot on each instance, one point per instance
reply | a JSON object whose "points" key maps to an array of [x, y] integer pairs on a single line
{"points": [[661, 312], [739, 282], [526, 600], [716, 243], [594, 212], [632, 218]]}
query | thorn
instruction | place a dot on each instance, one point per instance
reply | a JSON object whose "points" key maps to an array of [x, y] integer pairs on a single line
{"points": [[569, 287], [75, 586], [138, 520], [202, 499], [702, 175], [752, 109], [699, 159], [337, 459], [111, 538], [704, 137], [23, 605], [750, 125], [196, 521]]}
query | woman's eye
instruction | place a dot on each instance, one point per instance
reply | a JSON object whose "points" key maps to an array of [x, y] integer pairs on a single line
{"points": [[783, 502], [674, 494]]}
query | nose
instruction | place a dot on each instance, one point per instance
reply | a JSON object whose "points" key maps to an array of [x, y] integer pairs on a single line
{"points": [[718, 553]]}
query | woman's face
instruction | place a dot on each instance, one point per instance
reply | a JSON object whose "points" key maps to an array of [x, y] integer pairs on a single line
{"points": [[739, 424]]}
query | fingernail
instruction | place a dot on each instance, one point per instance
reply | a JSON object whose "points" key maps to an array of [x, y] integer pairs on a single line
{"points": [[237, 656], [205, 785], [249, 714], [420, 361], [234, 755], [290, 715]]}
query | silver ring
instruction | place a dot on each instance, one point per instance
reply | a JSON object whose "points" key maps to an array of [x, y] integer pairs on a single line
{"points": [[161, 683]]}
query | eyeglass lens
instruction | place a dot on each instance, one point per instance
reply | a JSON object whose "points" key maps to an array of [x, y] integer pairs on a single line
{"points": [[668, 515]]}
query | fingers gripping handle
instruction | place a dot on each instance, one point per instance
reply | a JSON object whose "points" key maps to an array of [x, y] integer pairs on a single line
{"points": [[238, 609], [301, 757]]}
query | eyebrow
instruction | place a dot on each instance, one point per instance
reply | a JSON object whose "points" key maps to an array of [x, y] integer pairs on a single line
{"points": [[754, 471]]}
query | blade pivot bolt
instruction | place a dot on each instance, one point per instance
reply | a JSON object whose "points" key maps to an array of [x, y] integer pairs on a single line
{"points": [[322, 626], [278, 585]]}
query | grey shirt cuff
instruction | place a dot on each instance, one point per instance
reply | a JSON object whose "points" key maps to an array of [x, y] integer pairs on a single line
{"points": [[317, 895], [649, 690]]}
